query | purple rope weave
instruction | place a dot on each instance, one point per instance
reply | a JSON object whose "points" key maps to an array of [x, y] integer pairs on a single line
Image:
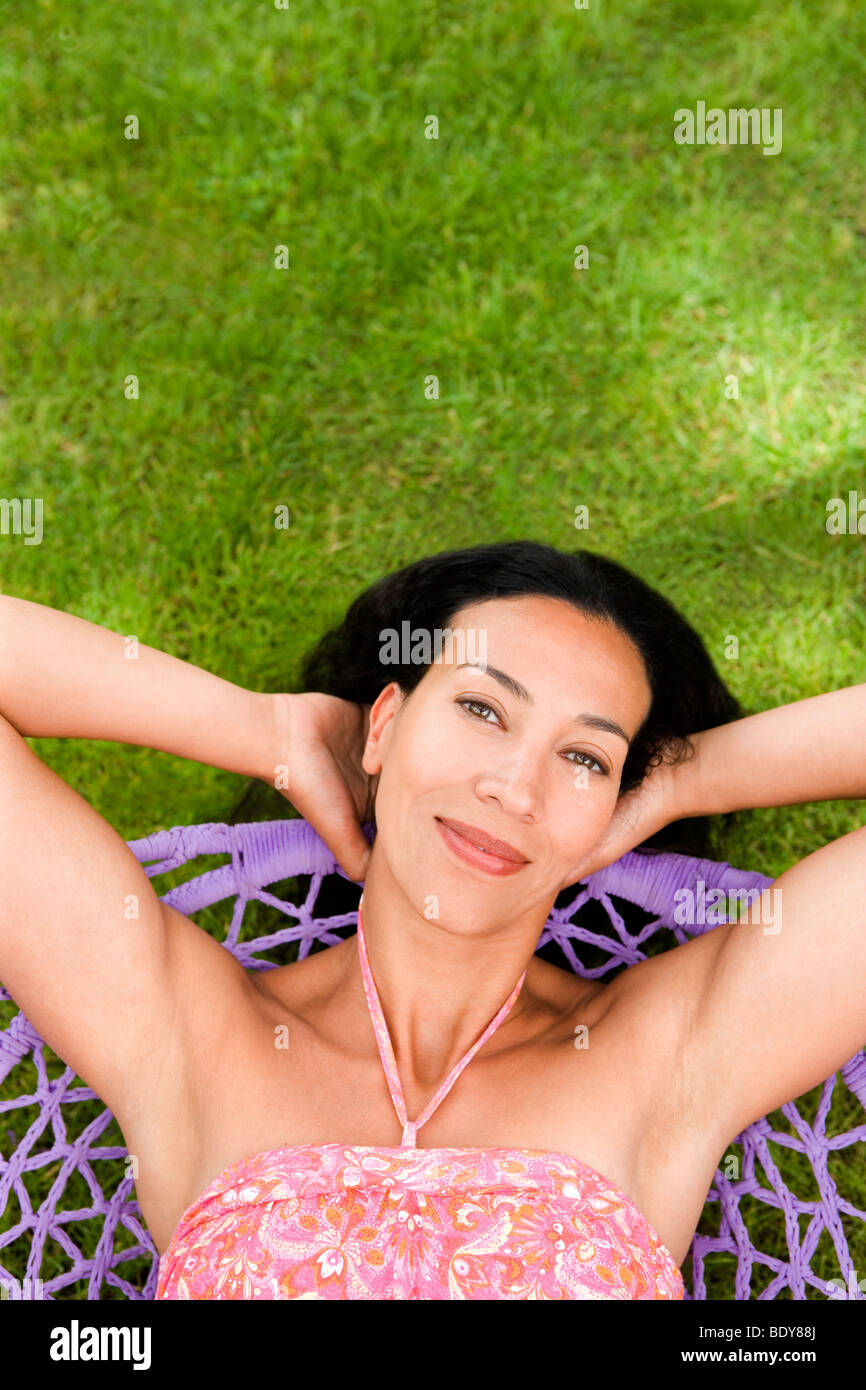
{"points": [[268, 852]]}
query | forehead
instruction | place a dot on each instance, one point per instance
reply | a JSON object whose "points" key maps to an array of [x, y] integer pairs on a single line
{"points": [[556, 652]]}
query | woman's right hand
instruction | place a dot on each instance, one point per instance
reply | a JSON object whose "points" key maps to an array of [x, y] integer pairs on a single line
{"points": [[320, 741]]}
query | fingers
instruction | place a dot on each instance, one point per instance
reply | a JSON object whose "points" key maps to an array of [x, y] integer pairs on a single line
{"points": [[349, 846], [346, 841], [331, 814]]}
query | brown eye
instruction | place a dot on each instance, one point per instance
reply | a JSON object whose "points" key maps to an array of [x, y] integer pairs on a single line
{"points": [[592, 759], [471, 705]]}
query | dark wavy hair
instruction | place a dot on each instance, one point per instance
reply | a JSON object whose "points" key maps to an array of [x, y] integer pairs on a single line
{"points": [[688, 694]]}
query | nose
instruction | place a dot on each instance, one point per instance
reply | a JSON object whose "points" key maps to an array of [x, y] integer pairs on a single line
{"points": [[514, 783]]}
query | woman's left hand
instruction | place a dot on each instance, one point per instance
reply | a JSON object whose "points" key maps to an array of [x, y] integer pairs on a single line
{"points": [[638, 815]]}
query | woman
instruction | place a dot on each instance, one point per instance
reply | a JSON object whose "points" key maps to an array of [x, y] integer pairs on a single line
{"points": [[428, 1109]]}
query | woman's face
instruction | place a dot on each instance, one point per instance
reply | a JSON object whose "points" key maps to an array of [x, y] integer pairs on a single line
{"points": [[521, 761]]}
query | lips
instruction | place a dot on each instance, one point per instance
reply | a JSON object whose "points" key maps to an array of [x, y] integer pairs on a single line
{"points": [[476, 847], [501, 848]]}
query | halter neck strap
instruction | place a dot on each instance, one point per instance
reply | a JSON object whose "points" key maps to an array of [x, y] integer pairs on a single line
{"points": [[386, 1051]]}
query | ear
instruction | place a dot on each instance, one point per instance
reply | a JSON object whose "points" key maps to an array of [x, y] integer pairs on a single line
{"points": [[382, 712]]}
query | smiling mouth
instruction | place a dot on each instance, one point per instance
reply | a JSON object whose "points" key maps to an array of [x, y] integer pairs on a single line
{"points": [[467, 849]]}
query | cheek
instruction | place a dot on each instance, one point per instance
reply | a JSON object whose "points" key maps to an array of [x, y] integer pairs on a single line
{"points": [[428, 753], [419, 759], [583, 810]]}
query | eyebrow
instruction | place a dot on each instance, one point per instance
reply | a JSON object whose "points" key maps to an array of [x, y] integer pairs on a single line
{"points": [[592, 721]]}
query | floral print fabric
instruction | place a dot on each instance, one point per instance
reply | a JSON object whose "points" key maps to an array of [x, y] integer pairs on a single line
{"points": [[343, 1222]]}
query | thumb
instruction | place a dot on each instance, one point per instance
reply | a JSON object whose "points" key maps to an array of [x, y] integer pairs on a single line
{"points": [[336, 823], [324, 801]]}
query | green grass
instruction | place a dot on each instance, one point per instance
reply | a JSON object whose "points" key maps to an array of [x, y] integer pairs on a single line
{"points": [[408, 257]]}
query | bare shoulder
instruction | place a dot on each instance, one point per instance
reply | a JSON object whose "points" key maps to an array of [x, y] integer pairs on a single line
{"points": [[212, 1000], [681, 1132], [208, 993], [660, 1002]]}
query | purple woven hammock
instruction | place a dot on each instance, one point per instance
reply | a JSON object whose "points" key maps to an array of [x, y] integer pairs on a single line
{"points": [[269, 852]]}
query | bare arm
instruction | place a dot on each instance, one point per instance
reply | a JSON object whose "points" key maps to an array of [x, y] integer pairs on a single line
{"points": [[781, 1000], [811, 750], [87, 950], [64, 677]]}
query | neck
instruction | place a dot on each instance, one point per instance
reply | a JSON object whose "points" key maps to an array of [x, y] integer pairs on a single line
{"points": [[441, 979]]}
